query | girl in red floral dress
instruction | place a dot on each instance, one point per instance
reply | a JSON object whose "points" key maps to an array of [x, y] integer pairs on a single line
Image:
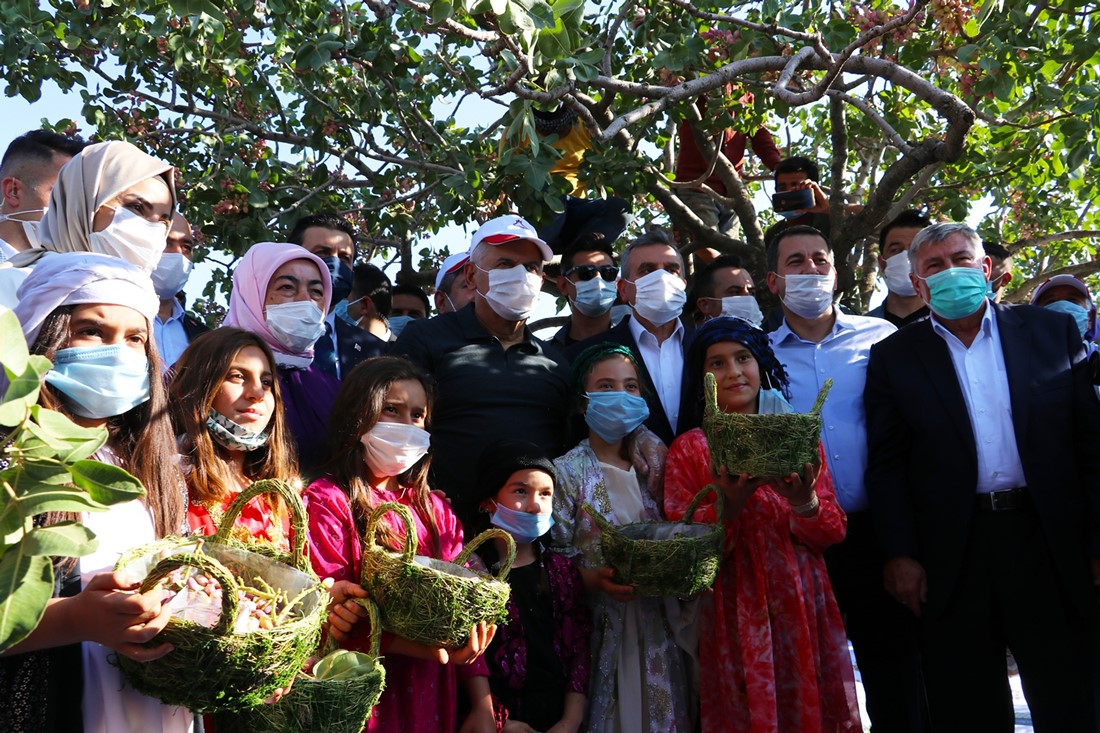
{"points": [[773, 656], [227, 410]]}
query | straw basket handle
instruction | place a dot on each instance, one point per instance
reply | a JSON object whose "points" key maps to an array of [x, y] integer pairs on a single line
{"points": [[710, 394], [599, 519], [298, 517], [476, 542], [719, 503], [211, 568], [375, 628], [820, 401], [406, 517]]}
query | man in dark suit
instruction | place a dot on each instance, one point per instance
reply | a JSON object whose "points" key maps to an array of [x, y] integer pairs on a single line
{"points": [[654, 286], [343, 345], [984, 478], [174, 328]]}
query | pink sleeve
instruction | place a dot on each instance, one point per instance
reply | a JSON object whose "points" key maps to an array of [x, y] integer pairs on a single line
{"points": [[333, 540], [450, 529], [829, 525], [687, 470]]}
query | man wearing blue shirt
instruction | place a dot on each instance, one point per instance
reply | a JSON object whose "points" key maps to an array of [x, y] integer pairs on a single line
{"points": [[815, 342]]}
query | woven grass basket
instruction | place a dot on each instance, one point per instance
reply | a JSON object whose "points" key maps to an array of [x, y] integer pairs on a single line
{"points": [[761, 445], [217, 669], [332, 706], [664, 558], [431, 601]]}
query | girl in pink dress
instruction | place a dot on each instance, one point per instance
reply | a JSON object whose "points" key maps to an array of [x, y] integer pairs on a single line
{"points": [[773, 656], [378, 446]]}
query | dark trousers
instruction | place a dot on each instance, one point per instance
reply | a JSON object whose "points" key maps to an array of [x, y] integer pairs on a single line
{"points": [[1008, 594], [882, 631]]}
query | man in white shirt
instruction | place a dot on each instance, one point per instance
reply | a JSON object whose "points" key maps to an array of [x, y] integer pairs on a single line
{"points": [[984, 482], [28, 172], [654, 286], [815, 342]]}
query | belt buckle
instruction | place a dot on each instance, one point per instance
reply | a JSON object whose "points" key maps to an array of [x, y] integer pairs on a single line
{"points": [[1002, 500]]}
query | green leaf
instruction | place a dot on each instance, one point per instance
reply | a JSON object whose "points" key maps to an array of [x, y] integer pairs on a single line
{"points": [[26, 586], [13, 345], [441, 11], [105, 483], [64, 539], [22, 392], [1077, 156]]}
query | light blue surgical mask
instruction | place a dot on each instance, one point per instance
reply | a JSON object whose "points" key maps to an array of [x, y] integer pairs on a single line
{"points": [[956, 292], [615, 415], [100, 381], [398, 323], [1079, 314], [523, 526], [342, 312], [594, 297], [772, 402]]}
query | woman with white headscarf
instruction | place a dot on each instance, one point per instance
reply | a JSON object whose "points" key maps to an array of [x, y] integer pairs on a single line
{"points": [[90, 315], [281, 292], [111, 198]]}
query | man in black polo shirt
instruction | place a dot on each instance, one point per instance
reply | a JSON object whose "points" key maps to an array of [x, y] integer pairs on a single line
{"points": [[495, 379]]}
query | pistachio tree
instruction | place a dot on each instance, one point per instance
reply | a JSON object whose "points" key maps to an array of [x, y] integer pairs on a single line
{"points": [[410, 115]]}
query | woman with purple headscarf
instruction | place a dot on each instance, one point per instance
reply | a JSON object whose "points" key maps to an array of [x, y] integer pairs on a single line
{"points": [[281, 292]]}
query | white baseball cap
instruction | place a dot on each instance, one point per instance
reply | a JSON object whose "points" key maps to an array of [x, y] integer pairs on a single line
{"points": [[509, 229], [452, 263]]}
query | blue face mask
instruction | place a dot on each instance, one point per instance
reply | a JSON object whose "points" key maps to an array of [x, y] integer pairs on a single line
{"points": [[523, 526], [341, 276], [772, 402], [342, 312], [1080, 315], [614, 415], [398, 323], [956, 292], [100, 381]]}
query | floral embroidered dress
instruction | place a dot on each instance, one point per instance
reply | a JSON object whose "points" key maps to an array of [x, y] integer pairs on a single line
{"points": [[773, 656], [642, 677], [256, 522], [420, 695], [543, 644]]}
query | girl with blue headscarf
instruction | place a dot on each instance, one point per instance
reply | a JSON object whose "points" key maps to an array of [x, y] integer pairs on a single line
{"points": [[772, 650]]}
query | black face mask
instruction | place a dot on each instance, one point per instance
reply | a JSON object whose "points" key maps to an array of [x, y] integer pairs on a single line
{"points": [[341, 276]]}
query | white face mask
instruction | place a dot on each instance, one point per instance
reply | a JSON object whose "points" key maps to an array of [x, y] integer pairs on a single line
{"points": [[132, 238], [659, 297], [171, 274], [394, 447], [897, 275], [30, 228], [744, 307], [809, 296], [297, 325], [513, 292]]}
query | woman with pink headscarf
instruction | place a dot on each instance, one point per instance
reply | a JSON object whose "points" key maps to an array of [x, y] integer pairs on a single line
{"points": [[281, 292]]}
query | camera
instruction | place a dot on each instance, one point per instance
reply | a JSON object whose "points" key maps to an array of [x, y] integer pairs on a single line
{"points": [[796, 200]]}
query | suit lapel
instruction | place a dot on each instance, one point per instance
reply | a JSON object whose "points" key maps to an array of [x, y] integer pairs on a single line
{"points": [[1018, 369], [936, 358]]}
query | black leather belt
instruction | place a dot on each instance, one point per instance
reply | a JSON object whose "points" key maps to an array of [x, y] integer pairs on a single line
{"points": [[1004, 500]]}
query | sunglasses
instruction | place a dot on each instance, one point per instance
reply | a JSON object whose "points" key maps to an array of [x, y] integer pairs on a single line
{"points": [[587, 272]]}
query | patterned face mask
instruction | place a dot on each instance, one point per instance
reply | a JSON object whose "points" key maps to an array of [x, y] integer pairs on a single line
{"points": [[232, 436]]}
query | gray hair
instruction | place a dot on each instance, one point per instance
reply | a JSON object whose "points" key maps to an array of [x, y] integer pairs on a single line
{"points": [[651, 238], [940, 232]]}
